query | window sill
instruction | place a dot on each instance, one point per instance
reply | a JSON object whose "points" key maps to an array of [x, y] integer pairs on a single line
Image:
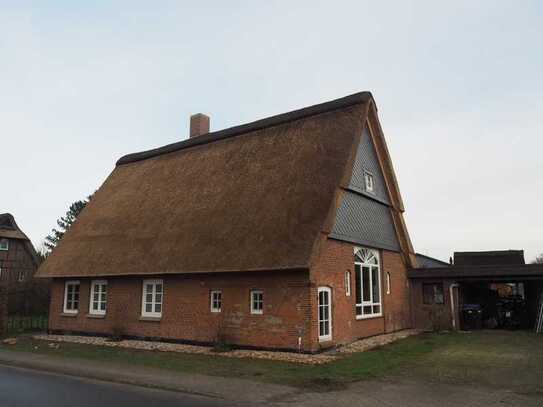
{"points": [[362, 317], [150, 319], [69, 314], [96, 316]]}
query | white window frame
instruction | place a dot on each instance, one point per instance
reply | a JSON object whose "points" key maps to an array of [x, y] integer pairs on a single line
{"points": [[369, 182], [154, 302], [4, 245], [65, 307], [254, 310], [21, 276], [371, 253], [213, 301], [99, 311], [348, 283], [325, 337]]}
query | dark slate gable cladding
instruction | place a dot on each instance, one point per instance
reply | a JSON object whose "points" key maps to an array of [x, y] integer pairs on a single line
{"points": [[366, 222], [366, 160]]}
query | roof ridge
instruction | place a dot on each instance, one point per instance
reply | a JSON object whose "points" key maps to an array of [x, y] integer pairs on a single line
{"points": [[356, 98]]}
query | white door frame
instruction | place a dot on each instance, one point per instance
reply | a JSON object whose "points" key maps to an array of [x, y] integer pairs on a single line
{"points": [[328, 291]]}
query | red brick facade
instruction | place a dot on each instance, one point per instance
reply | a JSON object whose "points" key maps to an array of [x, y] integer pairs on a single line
{"points": [[290, 305], [186, 312], [334, 260]]}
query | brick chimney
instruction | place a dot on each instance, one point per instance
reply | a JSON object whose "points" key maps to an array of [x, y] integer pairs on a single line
{"points": [[199, 124]]}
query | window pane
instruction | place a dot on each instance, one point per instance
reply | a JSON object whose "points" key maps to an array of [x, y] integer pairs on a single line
{"points": [[428, 293], [159, 288], [148, 288], [358, 282], [103, 306], [375, 284], [158, 298], [438, 294], [376, 309], [358, 310], [367, 309], [149, 297], [158, 308], [366, 284], [148, 307]]}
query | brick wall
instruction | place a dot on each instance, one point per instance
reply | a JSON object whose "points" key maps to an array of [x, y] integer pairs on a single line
{"points": [[334, 259], [186, 309]]}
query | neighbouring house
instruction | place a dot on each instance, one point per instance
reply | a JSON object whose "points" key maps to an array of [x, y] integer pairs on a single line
{"points": [[284, 233], [507, 292], [18, 264], [18, 258]]}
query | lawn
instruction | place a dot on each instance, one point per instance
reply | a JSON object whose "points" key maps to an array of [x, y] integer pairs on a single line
{"points": [[511, 360]]}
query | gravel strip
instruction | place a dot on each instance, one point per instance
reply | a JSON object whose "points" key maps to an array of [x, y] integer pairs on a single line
{"points": [[358, 346], [376, 341]]}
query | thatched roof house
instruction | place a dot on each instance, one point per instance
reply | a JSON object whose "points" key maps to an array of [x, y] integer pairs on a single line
{"points": [[272, 196]]}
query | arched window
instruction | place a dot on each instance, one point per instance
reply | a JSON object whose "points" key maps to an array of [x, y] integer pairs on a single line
{"points": [[368, 283]]}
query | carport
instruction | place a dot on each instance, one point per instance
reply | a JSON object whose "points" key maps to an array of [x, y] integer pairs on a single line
{"points": [[439, 294]]}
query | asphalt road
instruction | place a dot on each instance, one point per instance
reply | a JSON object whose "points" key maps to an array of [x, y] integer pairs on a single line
{"points": [[22, 388]]}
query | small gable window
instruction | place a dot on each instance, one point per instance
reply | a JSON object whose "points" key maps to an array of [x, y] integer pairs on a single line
{"points": [[216, 301], [4, 244], [368, 182]]}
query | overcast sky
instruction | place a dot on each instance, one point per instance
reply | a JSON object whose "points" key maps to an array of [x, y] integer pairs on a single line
{"points": [[458, 85]]}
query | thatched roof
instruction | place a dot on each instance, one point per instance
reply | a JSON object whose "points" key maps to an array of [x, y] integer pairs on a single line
{"points": [[253, 197], [9, 228]]}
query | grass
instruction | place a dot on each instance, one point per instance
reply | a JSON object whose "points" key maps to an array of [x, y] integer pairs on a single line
{"points": [[512, 360]]}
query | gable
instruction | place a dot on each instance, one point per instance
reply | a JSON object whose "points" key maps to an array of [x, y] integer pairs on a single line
{"points": [[366, 160], [251, 201]]}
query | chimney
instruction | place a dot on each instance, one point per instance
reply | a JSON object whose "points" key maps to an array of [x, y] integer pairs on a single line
{"points": [[199, 124]]}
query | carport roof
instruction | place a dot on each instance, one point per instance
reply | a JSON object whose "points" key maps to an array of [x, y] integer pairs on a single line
{"points": [[517, 272]]}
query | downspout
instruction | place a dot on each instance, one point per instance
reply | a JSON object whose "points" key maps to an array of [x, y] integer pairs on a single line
{"points": [[453, 313]]}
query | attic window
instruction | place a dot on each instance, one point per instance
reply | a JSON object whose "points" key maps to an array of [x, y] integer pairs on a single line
{"points": [[4, 244], [368, 182]]}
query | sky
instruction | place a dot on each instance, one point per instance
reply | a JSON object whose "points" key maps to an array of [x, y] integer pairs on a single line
{"points": [[458, 85]]}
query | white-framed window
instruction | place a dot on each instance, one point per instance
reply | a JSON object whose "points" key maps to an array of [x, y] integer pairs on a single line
{"points": [[4, 244], [368, 283], [98, 297], [388, 283], [216, 301], [21, 276], [257, 302], [0, 273], [348, 283], [71, 297], [368, 181], [152, 298], [325, 313]]}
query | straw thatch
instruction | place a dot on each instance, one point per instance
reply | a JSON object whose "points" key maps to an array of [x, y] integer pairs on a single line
{"points": [[254, 197]]}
